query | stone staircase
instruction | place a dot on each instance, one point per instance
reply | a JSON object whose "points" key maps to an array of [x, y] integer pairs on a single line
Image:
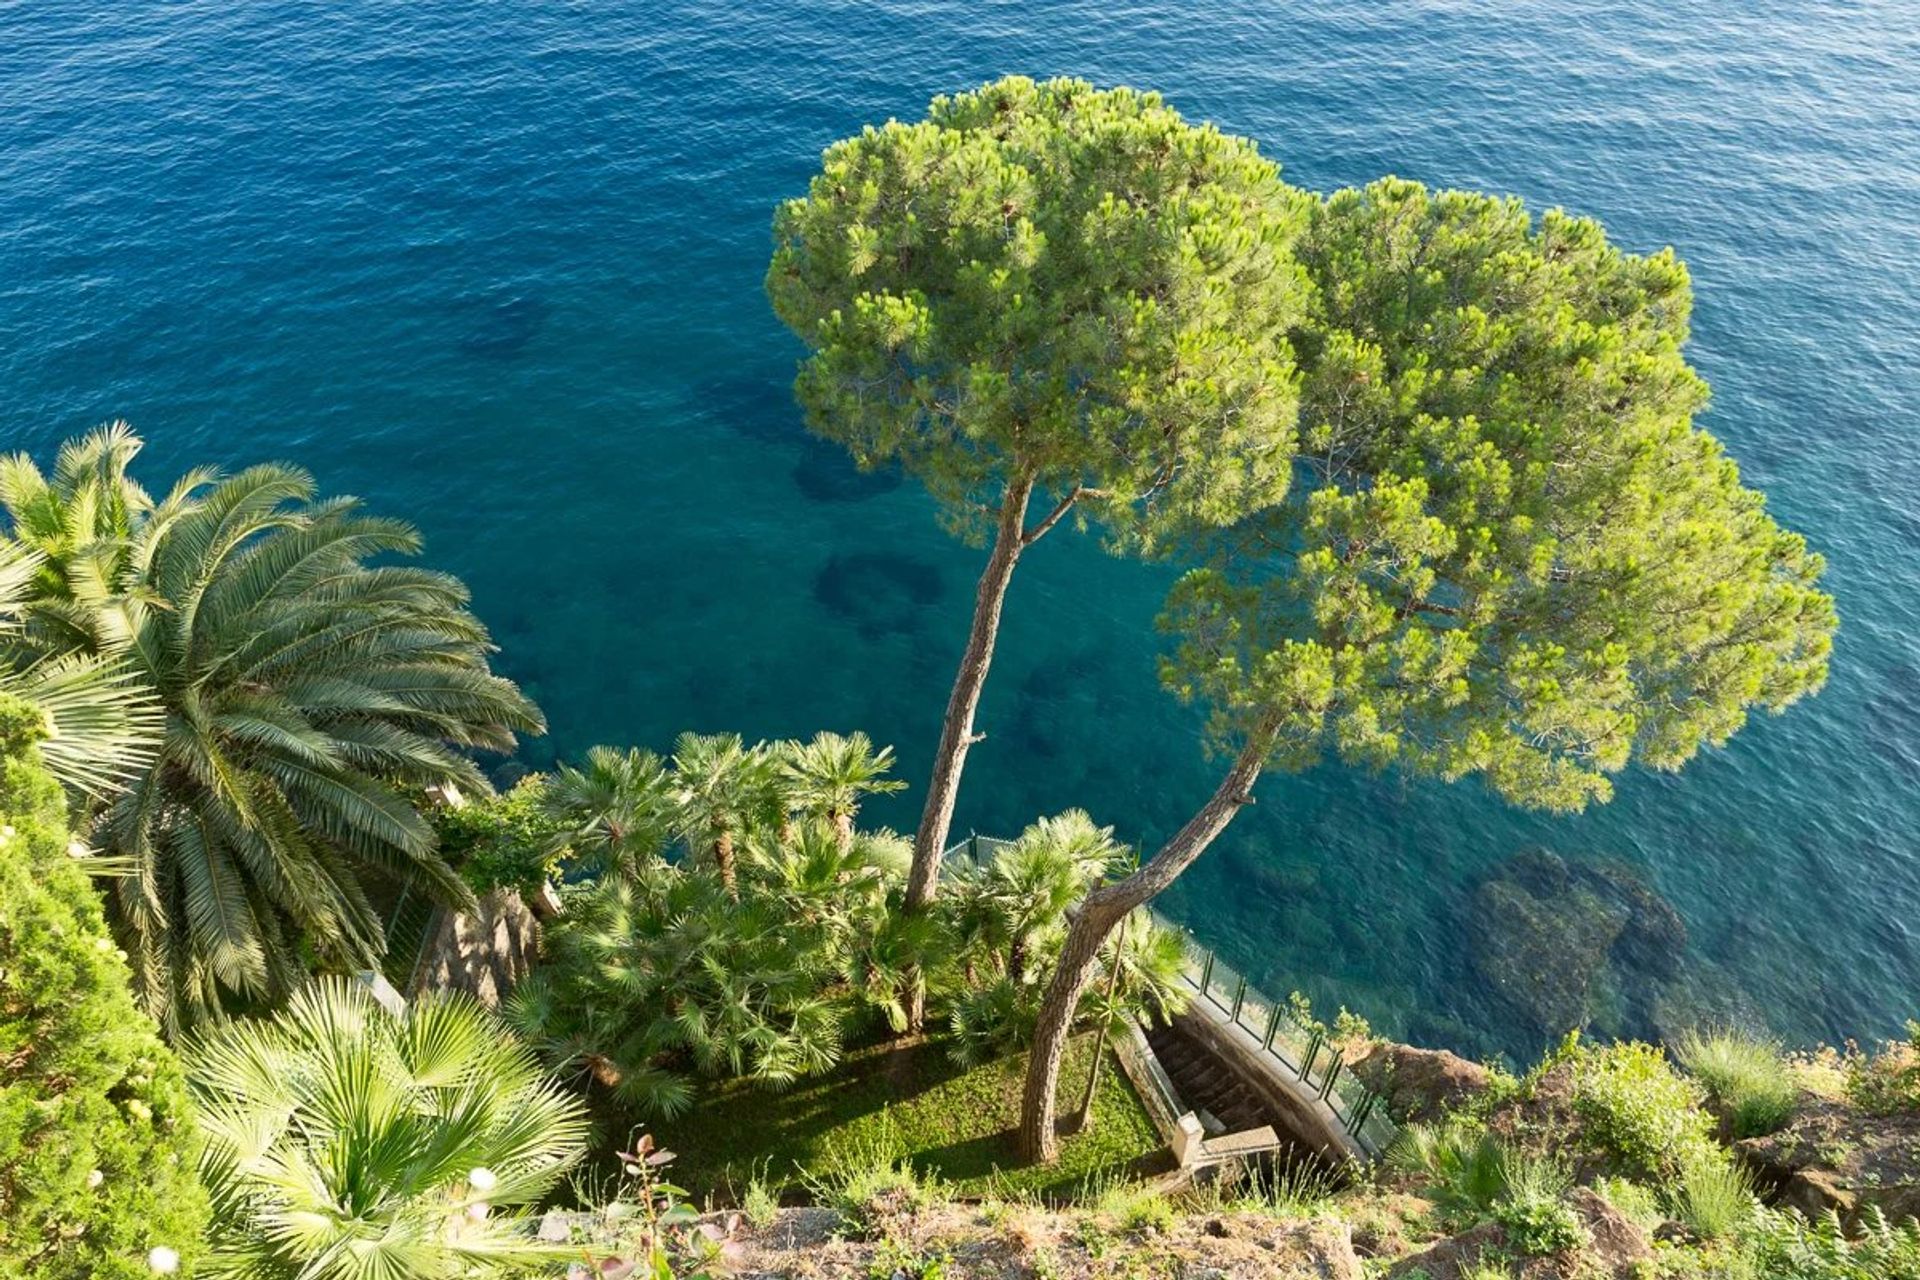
{"points": [[1224, 1103]]}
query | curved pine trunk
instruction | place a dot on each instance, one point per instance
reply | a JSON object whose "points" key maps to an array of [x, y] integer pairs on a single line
{"points": [[1096, 917]]}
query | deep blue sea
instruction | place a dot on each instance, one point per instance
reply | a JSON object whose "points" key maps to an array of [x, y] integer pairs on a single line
{"points": [[496, 268]]}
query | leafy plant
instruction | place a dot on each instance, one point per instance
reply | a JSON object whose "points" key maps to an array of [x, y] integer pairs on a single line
{"points": [[1638, 1204], [1464, 1166], [1532, 1206], [1786, 1246], [1539, 1227], [1888, 1079], [506, 840], [1637, 1109], [647, 1229], [345, 1142], [96, 1139], [1746, 1077], [1135, 1206], [828, 777]]}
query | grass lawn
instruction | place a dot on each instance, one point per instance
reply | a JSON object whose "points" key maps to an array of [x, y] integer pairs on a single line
{"points": [[890, 1102]]}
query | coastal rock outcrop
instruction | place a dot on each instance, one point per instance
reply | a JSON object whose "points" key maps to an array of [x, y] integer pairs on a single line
{"points": [[1417, 1085], [1834, 1156]]}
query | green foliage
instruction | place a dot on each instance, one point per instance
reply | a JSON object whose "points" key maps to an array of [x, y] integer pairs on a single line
{"points": [[101, 723], [347, 1143], [1747, 1079], [1008, 911], [1007, 916], [1509, 552], [1886, 1080], [1539, 1227], [1786, 1246], [503, 840], [1638, 1204], [96, 1140], [1464, 1166], [760, 1203], [1052, 285], [1135, 1206], [305, 691], [616, 811], [1637, 1109], [828, 777]]}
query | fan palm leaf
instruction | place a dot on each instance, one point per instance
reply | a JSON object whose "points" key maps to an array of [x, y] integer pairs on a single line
{"points": [[344, 1142]]}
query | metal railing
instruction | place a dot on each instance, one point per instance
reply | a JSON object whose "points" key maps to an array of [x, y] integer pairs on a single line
{"points": [[1304, 1053]]}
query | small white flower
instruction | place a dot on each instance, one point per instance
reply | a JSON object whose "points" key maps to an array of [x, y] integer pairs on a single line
{"points": [[477, 1211], [163, 1260], [95, 1178], [482, 1179]]}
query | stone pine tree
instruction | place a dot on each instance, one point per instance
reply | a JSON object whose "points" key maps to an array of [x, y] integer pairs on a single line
{"points": [[97, 1147], [1509, 553], [1043, 301]]}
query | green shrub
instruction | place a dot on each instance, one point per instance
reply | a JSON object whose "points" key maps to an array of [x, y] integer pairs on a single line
{"points": [[760, 1204], [1533, 1208], [1136, 1206], [1638, 1110], [1748, 1078], [501, 841], [1464, 1167], [96, 1138], [1786, 1246], [1540, 1227], [1887, 1080]]}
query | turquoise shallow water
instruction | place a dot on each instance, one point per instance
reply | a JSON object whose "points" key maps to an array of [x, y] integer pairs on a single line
{"points": [[497, 268]]}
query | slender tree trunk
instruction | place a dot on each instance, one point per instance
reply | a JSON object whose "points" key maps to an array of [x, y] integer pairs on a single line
{"points": [[1095, 918], [1085, 1121], [843, 830], [1010, 538], [956, 733], [723, 862]]}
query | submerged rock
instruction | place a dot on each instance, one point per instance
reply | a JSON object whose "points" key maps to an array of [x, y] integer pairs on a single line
{"points": [[1565, 943], [1543, 952]]}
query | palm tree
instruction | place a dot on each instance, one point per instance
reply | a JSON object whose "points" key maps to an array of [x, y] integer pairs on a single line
{"points": [[345, 1142], [619, 808], [1016, 904], [652, 976], [304, 691], [829, 776], [724, 789], [1142, 966], [101, 724]]}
